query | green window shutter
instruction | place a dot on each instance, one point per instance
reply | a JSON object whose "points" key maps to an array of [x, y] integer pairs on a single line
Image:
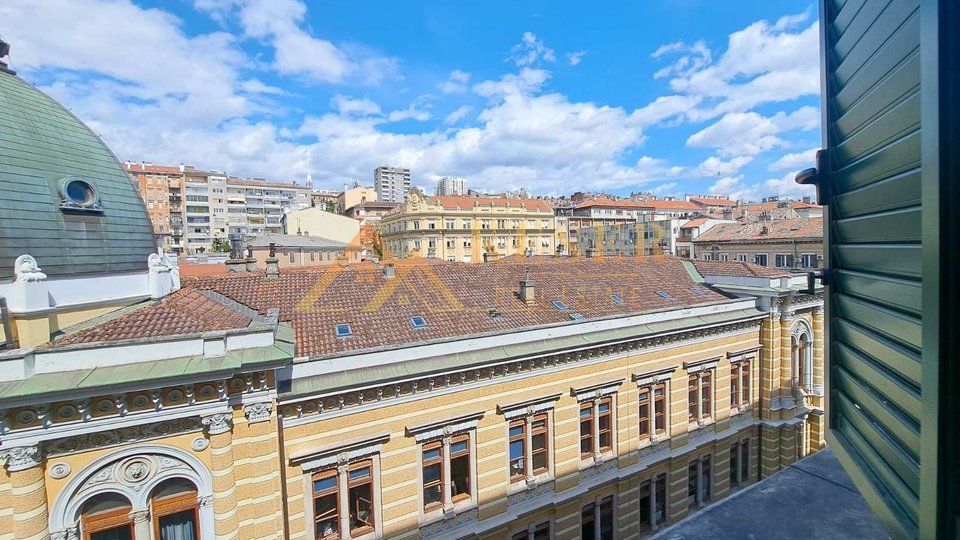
{"points": [[870, 181]]}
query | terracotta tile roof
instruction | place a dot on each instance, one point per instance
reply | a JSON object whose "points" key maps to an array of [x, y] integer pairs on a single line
{"points": [[713, 201], [186, 311], [788, 229], [143, 168], [737, 269], [196, 269], [452, 202], [693, 223], [772, 205], [453, 298], [655, 204]]}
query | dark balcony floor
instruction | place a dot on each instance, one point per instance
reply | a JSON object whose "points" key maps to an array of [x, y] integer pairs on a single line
{"points": [[813, 498]]}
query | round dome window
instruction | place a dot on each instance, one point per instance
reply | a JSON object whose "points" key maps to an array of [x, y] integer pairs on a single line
{"points": [[79, 193]]}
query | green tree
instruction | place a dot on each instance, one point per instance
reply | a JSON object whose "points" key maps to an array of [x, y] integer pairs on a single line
{"points": [[220, 245], [331, 207]]}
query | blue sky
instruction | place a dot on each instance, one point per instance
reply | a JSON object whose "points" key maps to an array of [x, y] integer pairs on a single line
{"points": [[674, 97]]}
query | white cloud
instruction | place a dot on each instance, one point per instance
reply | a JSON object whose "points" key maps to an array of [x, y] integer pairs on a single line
{"points": [[528, 81], [763, 63], [456, 83], [798, 160], [714, 166], [736, 188], [457, 115], [296, 52], [412, 112], [347, 105], [738, 134], [256, 86], [530, 50], [574, 58]]}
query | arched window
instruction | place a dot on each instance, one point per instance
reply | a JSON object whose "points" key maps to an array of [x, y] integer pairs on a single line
{"points": [[802, 356], [174, 511], [107, 517]]}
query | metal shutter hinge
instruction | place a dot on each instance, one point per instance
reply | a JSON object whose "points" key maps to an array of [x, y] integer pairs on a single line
{"points": [[813, 176], [815, 276]]}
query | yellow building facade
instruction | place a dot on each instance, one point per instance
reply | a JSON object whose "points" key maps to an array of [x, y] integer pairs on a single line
{"points": [[463, 229], [619, 426]]}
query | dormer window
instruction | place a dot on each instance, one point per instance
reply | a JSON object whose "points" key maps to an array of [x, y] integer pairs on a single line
{"points": [[78, 193]]}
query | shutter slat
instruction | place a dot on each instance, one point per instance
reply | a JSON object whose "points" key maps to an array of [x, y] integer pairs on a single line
{"points": [[898, 157], [895, 123], [891, 485], [895, 226], [903, 433], [882, 380], [885, 352], [895, 260], [885, 321], [900, 294], [900, 191]]}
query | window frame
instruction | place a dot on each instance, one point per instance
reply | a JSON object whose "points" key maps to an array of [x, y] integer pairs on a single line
{"points": [[174, 504], [526, 412]]}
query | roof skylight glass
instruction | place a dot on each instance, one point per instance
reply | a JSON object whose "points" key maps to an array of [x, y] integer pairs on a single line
{"points": [[698, 291], [576, 317], [616, 298], [664, 294], [418, 322], [343, 330], [559, 305]]}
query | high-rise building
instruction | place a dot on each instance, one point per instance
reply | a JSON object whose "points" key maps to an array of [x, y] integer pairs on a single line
{"points": [[452, 185], [391, 183], [214, 205]]}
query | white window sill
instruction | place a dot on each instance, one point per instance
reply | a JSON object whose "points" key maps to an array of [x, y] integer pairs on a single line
{"points": [[599, 459], [529, 483], [699, 424], [442, 513], [653, 442]]}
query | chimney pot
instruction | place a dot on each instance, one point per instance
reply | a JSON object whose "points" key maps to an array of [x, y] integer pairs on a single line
{"points": [[528, 291]]}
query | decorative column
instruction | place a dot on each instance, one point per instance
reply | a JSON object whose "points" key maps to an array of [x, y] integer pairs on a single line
{"points": [[219, 432], [818, 351], [786, 360], [141, 523], [28, 492], [447, 478], [343, 495]]}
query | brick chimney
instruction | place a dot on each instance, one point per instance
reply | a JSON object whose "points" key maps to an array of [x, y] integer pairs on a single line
{"points": [[528, 291], [273, 263], [251, 262]]}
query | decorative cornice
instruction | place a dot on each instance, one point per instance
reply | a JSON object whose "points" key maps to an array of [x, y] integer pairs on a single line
{"points": [[596, 391], [113, 437], [218, 423], [701, 365], [528, 407], [258, 412], [302, 409], [652, 377], [20, 458], [333, 456], [736, 356], [445, 427]]}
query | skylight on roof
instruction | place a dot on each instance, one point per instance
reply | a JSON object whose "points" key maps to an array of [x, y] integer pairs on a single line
{"points": [[576, 317], [616, 298], [343, 330], [698, 291], [665, 295], [418, 322], [494, 313], [559, 305]]}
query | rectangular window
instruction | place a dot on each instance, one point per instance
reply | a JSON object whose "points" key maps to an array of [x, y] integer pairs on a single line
{"points": [[698, 481], [653, 502], [416, 225], [586, 430], [744, 383], [432, 475], [451, 244], [518, 444], [784, 261], [460, 468], [541, 531], [431, 224], [742, 257], [360, 498], [605, 424], [652, 410], [700, 395], [760, 259], [735, 465], [291, 256], [326, 505], [808, 260], [734, 384], [451, 224], [596, 520], [529, 459], [723, 257]]}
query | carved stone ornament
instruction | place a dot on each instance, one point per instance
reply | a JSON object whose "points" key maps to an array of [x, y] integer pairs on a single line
{"points": [[218, 423], [140, 516], [205, 500], [200, 444], [20, 458], [136, 470], [27, 269], [258, 412], [70, 533], [58, 470]]}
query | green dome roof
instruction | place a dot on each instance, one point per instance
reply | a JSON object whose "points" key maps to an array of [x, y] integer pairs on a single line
{"points": [[64, 197]]}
